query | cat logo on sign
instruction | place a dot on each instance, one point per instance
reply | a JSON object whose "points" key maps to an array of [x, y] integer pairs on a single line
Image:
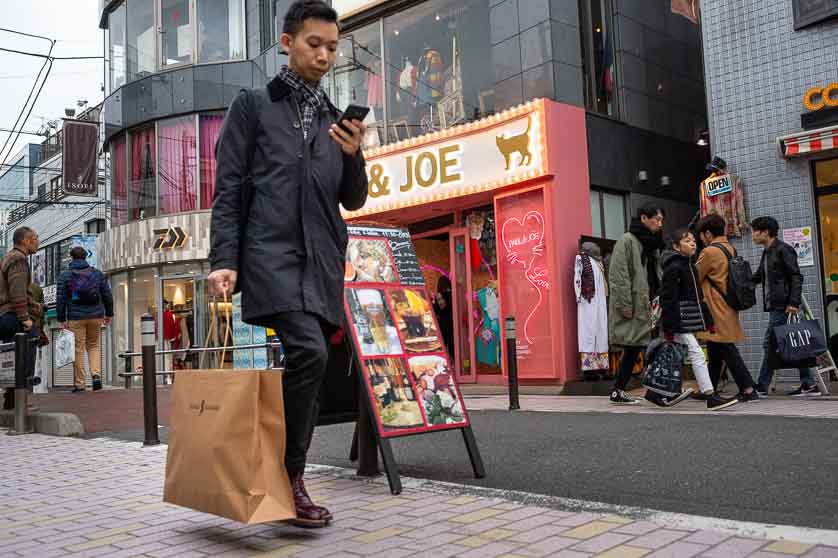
{"points": [[719, 185], [519, 143]]}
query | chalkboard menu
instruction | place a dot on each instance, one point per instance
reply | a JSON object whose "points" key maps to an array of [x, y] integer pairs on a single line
{"points": [[362, 268]]}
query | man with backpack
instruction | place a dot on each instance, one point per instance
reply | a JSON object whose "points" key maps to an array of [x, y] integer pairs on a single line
{"points": [[782, 288], [84, 304], [726, 281]]}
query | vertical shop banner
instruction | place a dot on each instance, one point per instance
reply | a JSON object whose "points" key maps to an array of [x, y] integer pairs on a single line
{"points": [[801, 240], [406, 369], [79, 161], [244, 334], [525, 277]]}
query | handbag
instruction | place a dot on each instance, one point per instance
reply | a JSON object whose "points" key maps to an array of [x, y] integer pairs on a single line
{"points": [[797, 343], [662, 373], [226, 452]]}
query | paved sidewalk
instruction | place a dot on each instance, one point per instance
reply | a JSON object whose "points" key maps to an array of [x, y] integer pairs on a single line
{"points": [[777, 406], [87, 498]]}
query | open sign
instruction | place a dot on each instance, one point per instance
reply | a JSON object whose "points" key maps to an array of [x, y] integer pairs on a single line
{"points": [[719, 185]]}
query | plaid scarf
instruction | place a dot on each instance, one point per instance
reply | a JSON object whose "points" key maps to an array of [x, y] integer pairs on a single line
{"points": [[312, 97]]}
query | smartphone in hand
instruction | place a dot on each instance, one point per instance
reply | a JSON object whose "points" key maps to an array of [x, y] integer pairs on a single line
{"points": [[353, 112]]}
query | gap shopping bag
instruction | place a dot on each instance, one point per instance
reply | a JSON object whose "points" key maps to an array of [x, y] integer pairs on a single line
{"points": [[227, 445], [798, 343], [662, 373]]}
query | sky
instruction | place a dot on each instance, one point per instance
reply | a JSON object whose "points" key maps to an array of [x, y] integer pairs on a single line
{"points": [[75, 25]]}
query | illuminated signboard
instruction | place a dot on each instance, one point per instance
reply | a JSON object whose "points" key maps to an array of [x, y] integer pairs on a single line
{"points": [[507, 148]]}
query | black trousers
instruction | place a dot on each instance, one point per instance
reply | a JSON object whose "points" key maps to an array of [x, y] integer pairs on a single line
{"points": [[627, 363], [305, 339], [728, 353]]}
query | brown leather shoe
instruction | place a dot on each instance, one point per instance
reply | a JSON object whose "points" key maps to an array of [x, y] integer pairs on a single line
{"points": [[309, 514]]}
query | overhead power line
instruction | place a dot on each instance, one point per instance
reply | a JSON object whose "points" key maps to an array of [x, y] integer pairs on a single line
{"points": [[24, 132], [49, 56], [46, 63], [25, 34]]}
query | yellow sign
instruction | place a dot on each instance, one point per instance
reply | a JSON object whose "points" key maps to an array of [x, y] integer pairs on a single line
{"points": [[492, 153], [817, 98]]}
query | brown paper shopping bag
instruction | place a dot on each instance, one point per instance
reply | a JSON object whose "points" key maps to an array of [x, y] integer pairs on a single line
{"points": [[227, 445]]}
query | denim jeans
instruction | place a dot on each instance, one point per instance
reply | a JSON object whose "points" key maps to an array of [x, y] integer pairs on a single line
{"points": [[775, 318]]}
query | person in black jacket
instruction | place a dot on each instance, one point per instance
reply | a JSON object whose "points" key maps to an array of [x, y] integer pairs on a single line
{"points": [[683, 314], [782, 288], [284, 169]]}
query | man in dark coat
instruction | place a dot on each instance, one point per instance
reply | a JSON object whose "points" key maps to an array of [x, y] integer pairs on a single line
{"points": [[782, 288], [284, 168]]}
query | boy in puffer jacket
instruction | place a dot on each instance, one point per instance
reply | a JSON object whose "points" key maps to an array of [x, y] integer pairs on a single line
{"points": [[684, 314]]}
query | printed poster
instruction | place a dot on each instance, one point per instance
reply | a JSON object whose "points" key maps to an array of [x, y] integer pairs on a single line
{"points": [[801, 240], [407, 371]]}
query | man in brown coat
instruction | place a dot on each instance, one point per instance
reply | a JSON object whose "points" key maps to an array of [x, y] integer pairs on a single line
{"points": [[18, 311], [713, 268]]}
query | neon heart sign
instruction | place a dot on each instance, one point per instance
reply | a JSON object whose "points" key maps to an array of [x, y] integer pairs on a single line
{"points": [[523, 240]]}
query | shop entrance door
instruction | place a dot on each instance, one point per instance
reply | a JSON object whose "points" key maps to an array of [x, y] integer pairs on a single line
{"points": [[180, 318], [464, 357]]}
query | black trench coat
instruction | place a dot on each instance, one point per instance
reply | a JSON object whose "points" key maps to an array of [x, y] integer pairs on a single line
{"points": [[290, 251]]}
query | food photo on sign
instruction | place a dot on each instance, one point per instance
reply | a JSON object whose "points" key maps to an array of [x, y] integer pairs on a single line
{"points": [[415, 321], [368, 261], [395, 401], [375, 329], [435, 388]]}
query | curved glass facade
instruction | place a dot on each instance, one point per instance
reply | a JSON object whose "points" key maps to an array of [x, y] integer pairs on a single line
{"points": [[164, 168], [149, 36]]}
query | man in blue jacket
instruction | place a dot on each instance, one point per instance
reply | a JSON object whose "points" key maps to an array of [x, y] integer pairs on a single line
{"points": [[85, 303]]}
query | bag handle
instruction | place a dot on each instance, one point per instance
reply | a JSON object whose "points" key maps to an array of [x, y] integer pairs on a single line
{"points": [[793, 318], [213, 328]]}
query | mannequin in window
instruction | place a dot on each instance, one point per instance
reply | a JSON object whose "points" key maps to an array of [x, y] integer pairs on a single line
{"points": [[430, 77]]}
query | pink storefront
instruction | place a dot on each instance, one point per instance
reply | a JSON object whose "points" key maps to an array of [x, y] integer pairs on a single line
{"points": [[495, 208]]}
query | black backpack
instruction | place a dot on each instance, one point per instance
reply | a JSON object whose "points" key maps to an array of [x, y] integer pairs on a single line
{"points": [[84, 287], [741, 290]]}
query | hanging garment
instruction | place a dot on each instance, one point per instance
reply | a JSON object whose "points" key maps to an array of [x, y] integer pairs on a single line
{"points": [[375, 87], [488, 248], [430, 80], [730, 205], [407, 80], [592, 313], [488, 337]]}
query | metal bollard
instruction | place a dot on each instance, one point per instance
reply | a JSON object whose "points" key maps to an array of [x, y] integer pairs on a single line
{"points": [[512, 363], [149, 381], [21, 392]]}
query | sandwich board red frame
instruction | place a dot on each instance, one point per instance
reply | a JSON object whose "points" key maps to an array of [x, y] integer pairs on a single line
{"points": [[405, 370]]}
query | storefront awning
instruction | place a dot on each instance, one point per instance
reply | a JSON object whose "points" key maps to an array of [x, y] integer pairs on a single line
{"points": [[809, 142]]}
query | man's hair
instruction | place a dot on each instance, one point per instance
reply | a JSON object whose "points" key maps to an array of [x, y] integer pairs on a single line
{"points": [[713, 223], [650, 209], [20, 235], [676, 236], [768, 224], [78, 253], [301, 10]]}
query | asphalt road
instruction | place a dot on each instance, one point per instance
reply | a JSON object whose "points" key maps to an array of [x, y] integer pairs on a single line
{"points": [[764, 469]]}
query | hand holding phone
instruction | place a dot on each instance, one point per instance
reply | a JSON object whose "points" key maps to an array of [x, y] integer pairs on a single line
{"points": [[353, 112], [347, 134]]}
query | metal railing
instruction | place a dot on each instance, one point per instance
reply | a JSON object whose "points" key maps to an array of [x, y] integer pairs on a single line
{"points": [[149, 354]]}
